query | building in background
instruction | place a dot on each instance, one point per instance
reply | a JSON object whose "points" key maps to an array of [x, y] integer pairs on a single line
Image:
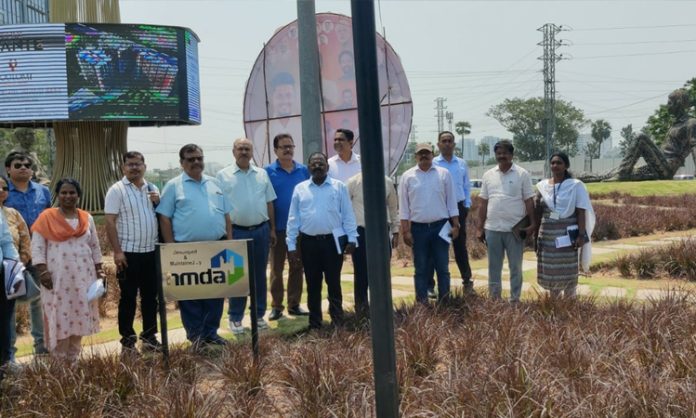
{"points": [[13, 12]]}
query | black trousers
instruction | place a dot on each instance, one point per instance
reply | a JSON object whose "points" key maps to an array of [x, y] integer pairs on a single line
{"points": [[6, 308], [461, 255], [140, 275], [322, 262]]}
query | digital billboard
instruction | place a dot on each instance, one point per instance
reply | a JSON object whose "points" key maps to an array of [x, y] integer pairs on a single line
{"points": [[142, 74]]}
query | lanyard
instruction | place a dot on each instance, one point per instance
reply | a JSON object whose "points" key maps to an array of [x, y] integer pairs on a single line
{"points": [[554, 192]]}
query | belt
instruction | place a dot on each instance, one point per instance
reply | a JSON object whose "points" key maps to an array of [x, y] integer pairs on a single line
{"points": [[249, 228], [316, 237], [429, 224]]}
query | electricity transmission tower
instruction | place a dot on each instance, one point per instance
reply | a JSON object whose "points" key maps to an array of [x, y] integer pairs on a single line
{"points": [[549, 45], [440, 113], [449, 116]]}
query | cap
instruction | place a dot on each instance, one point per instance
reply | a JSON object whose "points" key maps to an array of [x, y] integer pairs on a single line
{"points": [[424, 146]]}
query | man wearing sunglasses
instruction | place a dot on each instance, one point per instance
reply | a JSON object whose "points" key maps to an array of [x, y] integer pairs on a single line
{"points": [[29, 198], [193, 208]]}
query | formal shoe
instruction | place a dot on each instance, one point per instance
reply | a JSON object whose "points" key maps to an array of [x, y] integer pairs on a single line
{"points": [[151, 345], [469, 288], [236, 327], [216, 340], [432, 294], [261, 324], [275, 315], [297, 311]]}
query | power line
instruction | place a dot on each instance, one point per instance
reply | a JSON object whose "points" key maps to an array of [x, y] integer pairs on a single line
{"points": [[641, 54], [609, 28]]}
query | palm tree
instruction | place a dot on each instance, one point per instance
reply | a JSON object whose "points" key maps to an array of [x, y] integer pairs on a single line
{"points": [[483, 150], [462, 128], [601, 130]]}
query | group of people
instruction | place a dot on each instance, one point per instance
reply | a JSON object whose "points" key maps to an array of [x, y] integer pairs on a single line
{"points": [[291, 212]]}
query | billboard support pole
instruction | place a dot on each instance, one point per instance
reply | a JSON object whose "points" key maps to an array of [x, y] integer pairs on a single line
{"points": [[162, 305], [252, 296], [310, 81], [374, 192]]}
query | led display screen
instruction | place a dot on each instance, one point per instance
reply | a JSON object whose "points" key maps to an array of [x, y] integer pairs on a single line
{"points": [[143, 74]]}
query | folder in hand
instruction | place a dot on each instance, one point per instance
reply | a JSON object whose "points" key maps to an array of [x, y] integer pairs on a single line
{"points": [[518, 229]]}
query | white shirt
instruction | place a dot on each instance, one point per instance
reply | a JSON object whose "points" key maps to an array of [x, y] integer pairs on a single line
{"points": [[136, 222], [318, 210], [505, 193], [248, 193], [355, 192], [341, 170], [427, 196]]}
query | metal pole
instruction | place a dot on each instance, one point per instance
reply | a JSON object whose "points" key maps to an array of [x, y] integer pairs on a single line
{"points": [[310, 81], [374, 192], [162, 304], [252, 296]]}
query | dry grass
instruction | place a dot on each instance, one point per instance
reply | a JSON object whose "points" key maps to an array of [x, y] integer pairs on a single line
{"points": [[471, 357], [677, 261]]}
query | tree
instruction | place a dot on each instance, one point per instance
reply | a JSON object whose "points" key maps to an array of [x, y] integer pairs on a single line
{"points": [[462, 128], [483, 151], [628, 136], [524, 118], [601, 130]]}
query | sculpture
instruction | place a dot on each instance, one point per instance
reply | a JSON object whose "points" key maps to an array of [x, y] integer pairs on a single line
{"points": [[662, 162]]}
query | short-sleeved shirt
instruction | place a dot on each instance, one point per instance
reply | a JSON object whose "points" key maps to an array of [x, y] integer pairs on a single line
{"points": [[341, 170], [196, 208], [248, 192], [136, 223], [30, 203], [505, 193], [284, 183], [460, 176]]}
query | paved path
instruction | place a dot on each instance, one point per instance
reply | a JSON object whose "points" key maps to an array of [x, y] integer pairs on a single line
{"points": [[402, 287]]}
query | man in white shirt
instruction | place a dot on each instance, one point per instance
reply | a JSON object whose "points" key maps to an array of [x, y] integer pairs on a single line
{"points": [[427, 201], [506, 198], [345, 164], [320, 206], [251, 195], [355, 191], [131, 227]]}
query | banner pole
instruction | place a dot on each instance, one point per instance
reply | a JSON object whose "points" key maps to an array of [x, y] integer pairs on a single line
{"points": [[162, 309], [252, 296]]}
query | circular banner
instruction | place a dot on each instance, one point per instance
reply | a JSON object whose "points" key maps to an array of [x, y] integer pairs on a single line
{"points": [[272, 97]]}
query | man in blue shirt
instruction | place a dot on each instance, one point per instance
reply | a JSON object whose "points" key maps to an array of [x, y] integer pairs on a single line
{"points": [[7, 250], [460, 176], [285, 173], [29, 198], [319, 208], [193, 208]]}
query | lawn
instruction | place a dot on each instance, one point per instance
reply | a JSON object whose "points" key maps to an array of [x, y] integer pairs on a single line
{"points": [[645, 188]]}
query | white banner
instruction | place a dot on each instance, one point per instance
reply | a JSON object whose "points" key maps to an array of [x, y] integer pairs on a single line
{"points": [[205, 270]]}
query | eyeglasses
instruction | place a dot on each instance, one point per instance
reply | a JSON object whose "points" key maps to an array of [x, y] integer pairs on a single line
{"points": [[4, 189], [133, 165], [17, 166], [193, 159], [286, 147]]}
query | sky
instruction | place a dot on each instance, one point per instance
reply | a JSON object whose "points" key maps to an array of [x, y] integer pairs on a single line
{"points": [[620, 59]]}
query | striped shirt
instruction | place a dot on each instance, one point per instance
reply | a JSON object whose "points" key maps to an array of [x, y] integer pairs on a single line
{"points": [[136, 223]]}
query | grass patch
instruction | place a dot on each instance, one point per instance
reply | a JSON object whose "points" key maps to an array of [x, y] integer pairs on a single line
{"points": [[645, 188]]}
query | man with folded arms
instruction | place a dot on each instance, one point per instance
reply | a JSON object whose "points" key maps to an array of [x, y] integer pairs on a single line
{"points": [[319, 207], [427, 201], [251, 195]]}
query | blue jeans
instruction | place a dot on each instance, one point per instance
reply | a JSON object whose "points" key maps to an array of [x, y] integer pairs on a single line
{"points": [[201, 318], [262, 243], [500, 243], [37, 328], [430, 254]]}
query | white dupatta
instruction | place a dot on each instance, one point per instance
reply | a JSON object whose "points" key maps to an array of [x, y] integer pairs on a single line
{"points": [[569, 195]]}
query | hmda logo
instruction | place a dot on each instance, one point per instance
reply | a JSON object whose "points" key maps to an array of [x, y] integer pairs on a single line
{"points": [[217, 273]]}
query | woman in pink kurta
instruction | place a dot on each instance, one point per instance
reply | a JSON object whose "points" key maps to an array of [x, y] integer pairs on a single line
{"points": [[65, 250]]}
